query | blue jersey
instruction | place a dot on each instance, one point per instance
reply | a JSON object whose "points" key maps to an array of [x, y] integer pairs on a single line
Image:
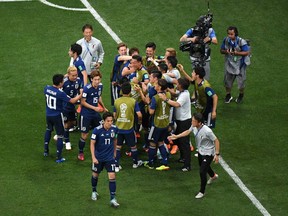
{"points": [[92, 96], [104, 145], [151, 91], [117, 69], [54, 100], [71, 88], [79, 64]]}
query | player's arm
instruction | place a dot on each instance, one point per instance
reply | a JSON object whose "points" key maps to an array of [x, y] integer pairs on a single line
{"points": [[124, 58], [169, 101], [183, 72], [85, 77], [89, 106], [92, 150], [215, 101], [100, 101]]}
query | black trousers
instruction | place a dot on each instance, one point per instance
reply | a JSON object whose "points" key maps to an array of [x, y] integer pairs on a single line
{"points": [[204, 163], [184, 142]]}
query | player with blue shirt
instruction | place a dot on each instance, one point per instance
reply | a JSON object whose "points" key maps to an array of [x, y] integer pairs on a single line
{"points": [[103, 151], [74, 52], [90, 101], [160, 112], [72, 86], [125, 108], [55, 98]]}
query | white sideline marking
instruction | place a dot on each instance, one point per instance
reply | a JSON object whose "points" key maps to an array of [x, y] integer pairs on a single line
{"points": [[243, 187], [101, 21], [61, 7]]}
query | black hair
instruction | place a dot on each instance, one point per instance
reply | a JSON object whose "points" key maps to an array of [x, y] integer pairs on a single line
{"points": [[157, 74], [172, 60], [163, 84], [200, 71], [126, 88], [198, 117], [76, 48], [132, 50], [163, 66], [87, 26], [137, 58], [234, 29], [184, 83], [151, 44], [57, 79], [106, 115]]}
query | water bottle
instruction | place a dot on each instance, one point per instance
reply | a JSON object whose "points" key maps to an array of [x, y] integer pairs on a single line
{"points": [[93, 62]]}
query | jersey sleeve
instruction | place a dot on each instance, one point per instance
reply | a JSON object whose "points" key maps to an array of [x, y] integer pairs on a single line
{"points": [[137, 109], [189, 32], [153, 103], [209, 91]]}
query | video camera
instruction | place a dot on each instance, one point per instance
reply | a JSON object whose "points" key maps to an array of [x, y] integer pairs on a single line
{"points": [[199, 50]]}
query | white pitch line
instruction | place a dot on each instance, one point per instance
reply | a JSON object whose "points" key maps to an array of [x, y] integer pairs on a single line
{"points": [[61, 7], [101, 21], [243, 187]]}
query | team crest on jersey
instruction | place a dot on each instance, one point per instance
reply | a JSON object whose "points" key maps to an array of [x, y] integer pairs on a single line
{"points": [[112, 134], [76, 86], [99, 92]]}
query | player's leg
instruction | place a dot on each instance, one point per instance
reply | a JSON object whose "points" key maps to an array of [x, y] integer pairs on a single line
{"points": [[59, 127], [204, 162], [96, 170], [47, 136], [130, 139], [120, 140], [84, 125], [110, 167]]}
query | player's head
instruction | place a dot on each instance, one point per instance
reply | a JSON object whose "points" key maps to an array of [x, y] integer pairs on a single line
{"points": [[122, 48], [200, 71], [136, 62], [95, 77], [126, 88], [76, 48], [163, 67], [155, 76], [183, 84], [172, 60], [58, 79], [150, 49], [108, 119], [87, 30], [134, 51], [197, 119], [72, 73], [162, 84]]}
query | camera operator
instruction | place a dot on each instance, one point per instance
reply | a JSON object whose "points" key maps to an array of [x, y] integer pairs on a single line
{"points": [[200, 36]]}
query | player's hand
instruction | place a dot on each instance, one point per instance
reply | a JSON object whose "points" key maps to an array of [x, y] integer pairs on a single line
{"points": [[172, 137], [213, 115], [95, 161], [97, 65]]}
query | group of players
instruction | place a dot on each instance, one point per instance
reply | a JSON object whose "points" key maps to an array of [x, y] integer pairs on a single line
{"points": [[148, 94]]}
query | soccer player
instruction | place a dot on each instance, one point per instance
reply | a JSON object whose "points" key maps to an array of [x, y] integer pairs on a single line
{"points": [[209, 148], [103, 151], [90, 116], [74, 52], [160, 112], [116, 76], [183, 120], [72, 86], [54, 117], [92, 49], [206, 99], [125, 108]]}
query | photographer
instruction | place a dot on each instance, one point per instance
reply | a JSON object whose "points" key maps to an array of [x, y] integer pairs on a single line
{"points": [[199, 37]]}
